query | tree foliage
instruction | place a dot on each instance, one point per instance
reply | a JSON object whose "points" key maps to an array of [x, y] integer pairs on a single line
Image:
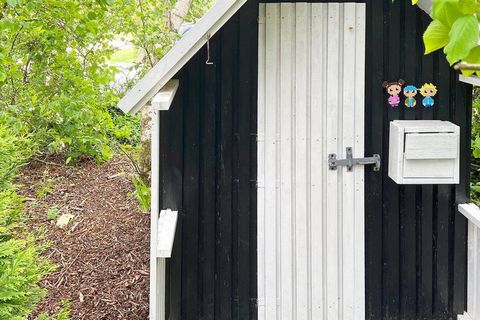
{"points": [[56, 95], [54, 75], [455, 28]]}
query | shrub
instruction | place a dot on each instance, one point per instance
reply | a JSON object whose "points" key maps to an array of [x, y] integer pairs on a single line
{"points": [[142, 193], [475, 165], [21, 266]]}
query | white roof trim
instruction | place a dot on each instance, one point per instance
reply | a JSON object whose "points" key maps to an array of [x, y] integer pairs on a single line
{"points": [[473, 80], [164, 98], [179, 55], [426, 5]]}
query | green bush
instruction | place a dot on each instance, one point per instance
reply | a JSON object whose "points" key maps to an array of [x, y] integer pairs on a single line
{"points": [[475, 165], [21, 266], [142, 193], [14, 151], [54, 76], [63, 314]]}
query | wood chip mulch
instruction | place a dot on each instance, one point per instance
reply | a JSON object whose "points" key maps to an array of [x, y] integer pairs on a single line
{"points": [[103, 253]]}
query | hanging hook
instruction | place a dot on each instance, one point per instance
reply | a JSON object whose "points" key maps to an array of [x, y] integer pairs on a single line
{"points": [[209, 62]]}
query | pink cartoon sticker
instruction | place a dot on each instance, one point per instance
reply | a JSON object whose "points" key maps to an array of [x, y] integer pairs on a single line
{"points": [[394, 89]]}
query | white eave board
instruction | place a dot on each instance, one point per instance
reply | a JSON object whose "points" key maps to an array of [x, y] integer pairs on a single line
{"points": [[473, 80], [426, 5], [164, 98], [179, 55]]}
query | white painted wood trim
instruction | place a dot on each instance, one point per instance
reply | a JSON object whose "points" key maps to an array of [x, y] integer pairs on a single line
{"points": [[464, 316], [471, 212], [179, 55], [261, 162], [426, 5], [473, 80], [157, 266], [164, 98], [167, 225]]}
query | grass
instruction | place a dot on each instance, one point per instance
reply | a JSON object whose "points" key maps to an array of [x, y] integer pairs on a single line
{"points": [[126, 55]]}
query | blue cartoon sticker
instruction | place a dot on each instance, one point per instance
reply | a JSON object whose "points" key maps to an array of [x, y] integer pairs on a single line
{"points": [[428, 91], [410, 92]]}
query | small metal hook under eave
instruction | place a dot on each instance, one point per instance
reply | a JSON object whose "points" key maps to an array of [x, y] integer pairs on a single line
{"points": [[208, 62]]}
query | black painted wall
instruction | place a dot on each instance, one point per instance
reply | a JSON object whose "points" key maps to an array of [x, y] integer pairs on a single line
{"points": [[208, 173], [415, 239]]}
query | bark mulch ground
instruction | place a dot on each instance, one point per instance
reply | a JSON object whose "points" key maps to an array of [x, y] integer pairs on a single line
{"points": [[103, 253]]}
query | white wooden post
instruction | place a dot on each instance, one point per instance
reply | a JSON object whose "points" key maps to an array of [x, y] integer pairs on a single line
{"points": [[162, 223], [472, 213], [157, 266]]}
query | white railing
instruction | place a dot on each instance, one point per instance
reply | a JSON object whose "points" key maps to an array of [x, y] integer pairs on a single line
{"points": [[472, 213]]}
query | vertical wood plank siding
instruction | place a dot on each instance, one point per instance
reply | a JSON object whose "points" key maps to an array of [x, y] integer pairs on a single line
{"points": [[311, 103], [415, 239], [208, 173]]}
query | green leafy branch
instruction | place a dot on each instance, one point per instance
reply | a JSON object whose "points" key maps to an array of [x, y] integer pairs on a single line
{"points": [[455, 28]]}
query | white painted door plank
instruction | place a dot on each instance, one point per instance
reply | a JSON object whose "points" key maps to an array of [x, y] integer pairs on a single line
{"points": [[333, 146], [359, 216], [287, 72], [261, 164], [347, 212], [271, 195], [318, 155], [301, 156]]}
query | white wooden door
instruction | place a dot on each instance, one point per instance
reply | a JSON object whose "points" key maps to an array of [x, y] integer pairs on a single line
{"points": [[311, 104]]}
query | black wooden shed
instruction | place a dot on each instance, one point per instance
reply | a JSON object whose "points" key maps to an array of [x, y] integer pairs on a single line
{"points": [[263, 227]]}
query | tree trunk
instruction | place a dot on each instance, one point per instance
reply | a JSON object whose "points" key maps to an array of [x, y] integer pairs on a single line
{"points": [[174, 20], [144, 155], [178, 14]]}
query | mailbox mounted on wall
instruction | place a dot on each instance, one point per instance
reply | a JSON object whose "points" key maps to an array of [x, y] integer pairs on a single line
{"points": [[424, 152]]}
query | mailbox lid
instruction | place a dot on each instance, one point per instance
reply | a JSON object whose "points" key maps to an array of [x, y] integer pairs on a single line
{"points": [[423, 146]]}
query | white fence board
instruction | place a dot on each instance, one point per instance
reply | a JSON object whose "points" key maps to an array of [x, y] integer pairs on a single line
{"points": [[310, 219]]}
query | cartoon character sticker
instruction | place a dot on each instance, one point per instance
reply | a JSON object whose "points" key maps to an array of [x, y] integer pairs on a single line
{"points": [[393, 89], [428, 91], [410, 92]]}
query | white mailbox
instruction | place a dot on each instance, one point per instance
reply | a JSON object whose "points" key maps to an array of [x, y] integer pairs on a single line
{"points": [[424, 152]]}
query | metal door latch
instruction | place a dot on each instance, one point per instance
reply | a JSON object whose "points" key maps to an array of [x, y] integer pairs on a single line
{"points": [[349, 162]]}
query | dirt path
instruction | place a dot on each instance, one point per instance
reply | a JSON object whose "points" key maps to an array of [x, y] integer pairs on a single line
{"points": [[103, 253]]}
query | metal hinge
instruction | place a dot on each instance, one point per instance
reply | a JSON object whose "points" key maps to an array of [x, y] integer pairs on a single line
{"points": [[350, 161]]}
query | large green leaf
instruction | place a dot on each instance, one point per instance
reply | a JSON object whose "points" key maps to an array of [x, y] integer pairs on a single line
{"points": [[473, 58], [463, 38], [468, 6], [13, 3], [446, 11], [435, 37]]}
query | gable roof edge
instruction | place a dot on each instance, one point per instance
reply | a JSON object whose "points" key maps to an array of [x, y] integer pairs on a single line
{"points": [[185, 49], [179, 55], [426, 5]]}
